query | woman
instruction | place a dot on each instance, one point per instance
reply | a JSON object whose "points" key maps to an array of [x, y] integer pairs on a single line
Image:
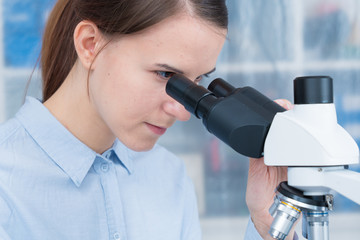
{"points": [[84, 164]]}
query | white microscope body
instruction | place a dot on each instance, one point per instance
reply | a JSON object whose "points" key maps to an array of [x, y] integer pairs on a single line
{"points": [[317, 151], [310, 142]]}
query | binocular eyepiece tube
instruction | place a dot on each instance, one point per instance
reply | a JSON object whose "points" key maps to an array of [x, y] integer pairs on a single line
{"points": [[240, 117]]}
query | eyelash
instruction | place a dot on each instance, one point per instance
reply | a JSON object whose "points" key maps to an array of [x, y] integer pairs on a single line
{"points": [[166, 75]]}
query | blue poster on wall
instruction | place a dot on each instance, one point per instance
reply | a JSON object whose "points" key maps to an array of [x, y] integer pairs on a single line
{"points": [[24, 21]]}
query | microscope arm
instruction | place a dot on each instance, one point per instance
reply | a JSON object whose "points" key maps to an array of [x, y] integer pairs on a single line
{"points": [[319, 180]]}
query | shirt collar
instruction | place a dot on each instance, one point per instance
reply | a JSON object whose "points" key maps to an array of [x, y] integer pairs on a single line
{"points": [[124, 155], [68, 152]]}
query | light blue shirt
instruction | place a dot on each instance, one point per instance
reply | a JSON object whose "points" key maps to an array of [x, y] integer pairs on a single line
{"points": [[52, 186]]}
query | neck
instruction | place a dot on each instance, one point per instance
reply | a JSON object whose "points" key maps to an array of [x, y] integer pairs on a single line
{"points": [[72, 107]]}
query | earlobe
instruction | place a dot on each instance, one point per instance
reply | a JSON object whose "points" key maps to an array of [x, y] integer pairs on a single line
{"points": [[87, 39]]}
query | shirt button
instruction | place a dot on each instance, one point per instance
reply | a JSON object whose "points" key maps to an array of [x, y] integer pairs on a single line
{"points": [[116, 236], [104, 167]]}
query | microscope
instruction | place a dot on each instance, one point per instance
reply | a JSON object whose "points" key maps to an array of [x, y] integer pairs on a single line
{"points": [[307, 139]]}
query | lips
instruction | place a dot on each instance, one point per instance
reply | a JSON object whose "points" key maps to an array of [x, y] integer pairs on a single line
{"points": [[156, 129]]}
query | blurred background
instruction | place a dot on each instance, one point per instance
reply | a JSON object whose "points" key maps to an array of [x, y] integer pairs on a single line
{"points": [[270, 43]]}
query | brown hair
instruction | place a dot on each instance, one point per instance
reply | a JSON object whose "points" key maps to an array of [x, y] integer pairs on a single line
{"points": [[112, 17]]}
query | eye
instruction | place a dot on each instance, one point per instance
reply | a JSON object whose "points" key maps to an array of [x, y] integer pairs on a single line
{"points": [[199, 78], [165, 75]]}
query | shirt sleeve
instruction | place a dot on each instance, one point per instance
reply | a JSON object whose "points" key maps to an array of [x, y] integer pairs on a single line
{"points": [[252, 234]]}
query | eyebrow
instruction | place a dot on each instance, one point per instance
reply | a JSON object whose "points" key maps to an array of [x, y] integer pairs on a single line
{"points": [[173, 69], [211, 71]]}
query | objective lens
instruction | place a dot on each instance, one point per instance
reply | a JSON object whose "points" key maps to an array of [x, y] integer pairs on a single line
{"points": [[289, 203], [315, 225], [285, 215]]}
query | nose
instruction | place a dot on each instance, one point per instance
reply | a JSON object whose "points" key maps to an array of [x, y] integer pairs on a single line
{"points": [[175, 109]]}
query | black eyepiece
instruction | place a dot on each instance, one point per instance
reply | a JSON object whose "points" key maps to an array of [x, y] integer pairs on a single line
{"points": [[187, 93], [313, 90], [221, 88]]}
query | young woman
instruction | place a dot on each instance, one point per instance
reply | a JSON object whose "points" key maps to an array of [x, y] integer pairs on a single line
{"points": [[83, 163]]}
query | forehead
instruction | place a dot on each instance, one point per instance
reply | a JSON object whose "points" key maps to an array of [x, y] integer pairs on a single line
{"points": [[181, 41]]}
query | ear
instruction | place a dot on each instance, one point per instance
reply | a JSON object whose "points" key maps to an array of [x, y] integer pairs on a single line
{"points": [[88, 41]]}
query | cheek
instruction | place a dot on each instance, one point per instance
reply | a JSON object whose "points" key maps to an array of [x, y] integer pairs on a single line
{"points": [[119, 97]]}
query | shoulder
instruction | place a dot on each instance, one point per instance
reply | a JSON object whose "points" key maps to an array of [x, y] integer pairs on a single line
{"points": [[16, 148], [8, 129], [14, 138], [9, 135]]}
